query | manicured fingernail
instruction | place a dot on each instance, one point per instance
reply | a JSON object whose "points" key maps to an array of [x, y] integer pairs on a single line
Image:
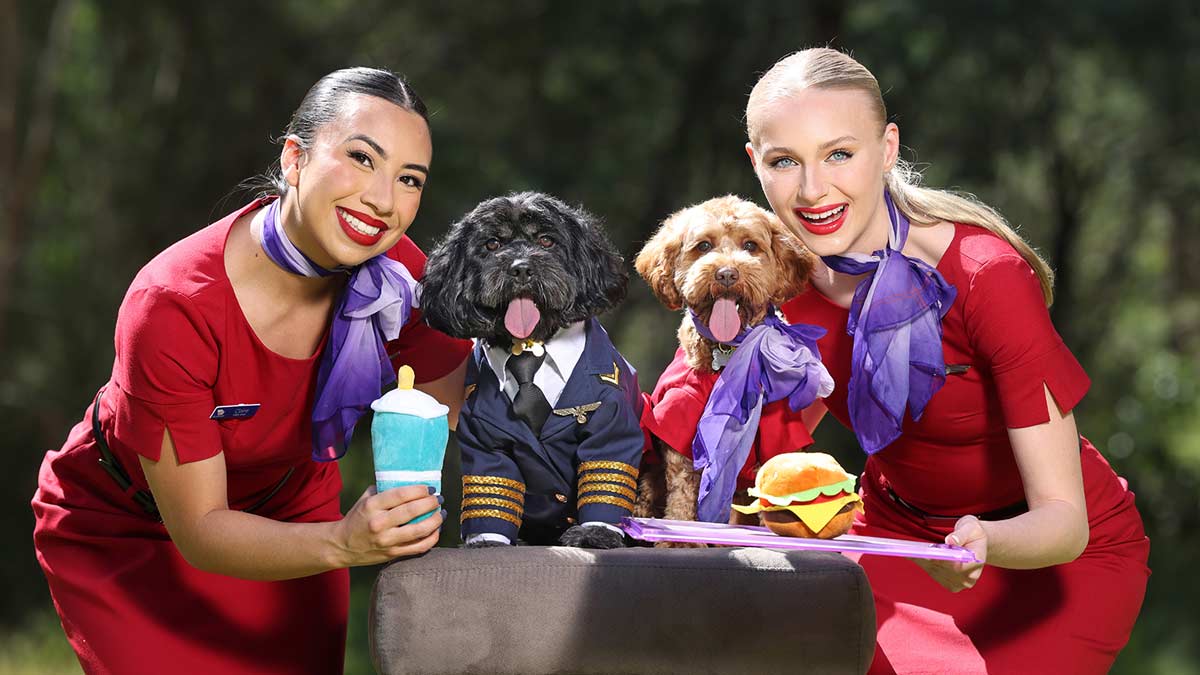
{"points": [[432, 491], [443, 514], [441, 499]]}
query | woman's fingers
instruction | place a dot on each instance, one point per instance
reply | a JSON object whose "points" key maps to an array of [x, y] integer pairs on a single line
{"points": [[427, 542], [407, 532], [390, 499]]}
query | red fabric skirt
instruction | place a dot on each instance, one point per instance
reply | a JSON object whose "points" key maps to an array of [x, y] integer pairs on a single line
{"points": [[130, 604], [1066, 619]]}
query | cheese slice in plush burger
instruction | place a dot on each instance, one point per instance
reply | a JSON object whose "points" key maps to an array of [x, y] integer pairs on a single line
{"points": [[804, 494]]}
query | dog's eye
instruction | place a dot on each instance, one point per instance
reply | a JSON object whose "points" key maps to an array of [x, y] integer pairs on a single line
{"points": [[750, 246], [704, 247], [545, 241], [492, 244]]}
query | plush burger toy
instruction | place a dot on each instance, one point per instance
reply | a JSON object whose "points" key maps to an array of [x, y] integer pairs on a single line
{"points": [[804, 494]]}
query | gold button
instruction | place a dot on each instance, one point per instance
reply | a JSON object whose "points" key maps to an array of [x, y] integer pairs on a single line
{"points": [[570, 521], [561, 498]]}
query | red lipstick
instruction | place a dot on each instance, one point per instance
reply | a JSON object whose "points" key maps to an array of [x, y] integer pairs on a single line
{"points": [[356, 235], [828, 225]]}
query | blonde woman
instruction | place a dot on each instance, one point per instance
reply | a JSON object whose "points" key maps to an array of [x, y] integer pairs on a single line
{"points": [[958, 388]]}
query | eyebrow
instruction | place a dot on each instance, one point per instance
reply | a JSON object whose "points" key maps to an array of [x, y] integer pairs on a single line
{"points": [[383, 153], [838, 141]]}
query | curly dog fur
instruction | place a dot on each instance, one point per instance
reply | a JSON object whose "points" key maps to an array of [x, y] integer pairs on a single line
{"points": [[532, 245], [722, 248]]}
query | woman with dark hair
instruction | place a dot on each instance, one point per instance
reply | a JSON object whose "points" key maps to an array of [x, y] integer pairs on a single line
{"points": [[191, 523]]}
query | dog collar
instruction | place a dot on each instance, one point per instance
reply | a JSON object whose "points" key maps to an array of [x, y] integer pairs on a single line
{"points": [[521, 346], [721, 354]]}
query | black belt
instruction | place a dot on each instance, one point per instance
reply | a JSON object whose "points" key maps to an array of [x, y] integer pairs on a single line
{"points": [[108, 462], [1001, 513]]}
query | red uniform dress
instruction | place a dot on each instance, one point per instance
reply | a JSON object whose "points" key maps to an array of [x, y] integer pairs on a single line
{"points": [[1070, 618], [673, 412], [128, 601]]}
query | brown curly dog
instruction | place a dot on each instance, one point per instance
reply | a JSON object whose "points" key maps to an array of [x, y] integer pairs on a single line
{"points": [[728, 261]]}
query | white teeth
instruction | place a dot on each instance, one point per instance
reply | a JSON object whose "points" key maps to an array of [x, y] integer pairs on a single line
{"points": [[824, 215], [358, 225]]}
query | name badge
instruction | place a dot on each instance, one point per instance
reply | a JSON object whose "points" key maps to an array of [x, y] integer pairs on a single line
{"points": [[239, 411]]}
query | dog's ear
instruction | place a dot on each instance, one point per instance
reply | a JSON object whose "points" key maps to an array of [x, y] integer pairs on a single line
{"points": [[657, 260], [602, 276], [794, 259], [446, 287]]}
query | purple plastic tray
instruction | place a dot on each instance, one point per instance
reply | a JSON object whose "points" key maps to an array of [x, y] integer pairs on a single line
{"points": [[658, 529]]}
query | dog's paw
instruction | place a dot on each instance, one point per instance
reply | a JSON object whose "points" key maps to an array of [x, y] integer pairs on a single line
{"points": [[484, 543], [592, 537]]}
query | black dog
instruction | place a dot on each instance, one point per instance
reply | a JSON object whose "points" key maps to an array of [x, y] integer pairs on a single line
{"points": [[549, 432]]}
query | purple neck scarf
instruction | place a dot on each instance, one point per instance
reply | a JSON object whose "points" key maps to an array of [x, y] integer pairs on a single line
{"points": [[773, 361], [373, 307], [896, 322]]}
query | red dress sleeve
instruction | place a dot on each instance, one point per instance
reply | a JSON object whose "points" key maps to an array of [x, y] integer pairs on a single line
{"points": [[431, 353], [164, 373], [1009, 326], [673, 418]]}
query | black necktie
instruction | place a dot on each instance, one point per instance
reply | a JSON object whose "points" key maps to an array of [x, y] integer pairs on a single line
{"points": [[530, 403]]}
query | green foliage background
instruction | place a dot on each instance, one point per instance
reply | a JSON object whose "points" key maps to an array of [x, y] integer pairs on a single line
{"points": [[125, 126]]}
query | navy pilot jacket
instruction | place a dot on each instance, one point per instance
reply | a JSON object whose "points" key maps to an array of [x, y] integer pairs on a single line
{"points": [[581, 468]]}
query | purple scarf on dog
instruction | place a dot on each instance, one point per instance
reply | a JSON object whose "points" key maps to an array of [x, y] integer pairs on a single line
{"points": [[373, 307], [773, 361], [896, 322]]}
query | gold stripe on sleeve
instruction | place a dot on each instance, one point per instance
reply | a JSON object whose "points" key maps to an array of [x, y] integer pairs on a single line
{"points": [[616, 466], [606, 487], [605, 477], [494, 480], [490, 513], [494, 491], [607, 499]]}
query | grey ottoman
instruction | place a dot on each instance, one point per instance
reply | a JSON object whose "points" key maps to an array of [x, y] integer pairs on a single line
{"points": [[637, 610]]}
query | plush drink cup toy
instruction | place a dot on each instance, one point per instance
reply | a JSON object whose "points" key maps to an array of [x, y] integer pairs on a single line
{"points": [[408, 437], [804, 494]]}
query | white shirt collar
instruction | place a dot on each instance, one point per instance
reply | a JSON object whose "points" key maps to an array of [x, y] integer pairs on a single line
{"points": [[563, 351]]}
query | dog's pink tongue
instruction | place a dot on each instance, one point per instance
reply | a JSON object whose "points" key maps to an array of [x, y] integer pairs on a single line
{"points": [[724, 322], [521, 318]]}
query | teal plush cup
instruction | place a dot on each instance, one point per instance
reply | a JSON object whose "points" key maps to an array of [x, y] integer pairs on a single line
{"points": [[408, 438]]}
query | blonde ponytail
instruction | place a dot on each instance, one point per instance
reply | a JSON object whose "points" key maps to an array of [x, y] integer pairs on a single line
{"points": [[825, 68], [927, 205]]}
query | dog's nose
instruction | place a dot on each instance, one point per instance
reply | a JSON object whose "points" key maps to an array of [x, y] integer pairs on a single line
{"points": [[521, 270], [727, 276]]}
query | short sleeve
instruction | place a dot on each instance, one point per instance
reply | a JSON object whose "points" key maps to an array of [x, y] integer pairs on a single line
{"points": [[164, 373], [431, 353], [673, 418], [1009, 327]]}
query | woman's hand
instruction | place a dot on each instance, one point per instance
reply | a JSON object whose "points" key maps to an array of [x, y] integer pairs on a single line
{"points": [[376, 528], [954, 577]]}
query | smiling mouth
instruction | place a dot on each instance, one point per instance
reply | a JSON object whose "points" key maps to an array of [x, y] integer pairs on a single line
{"points": [[359, 224], [822, 220], [359, 227]]}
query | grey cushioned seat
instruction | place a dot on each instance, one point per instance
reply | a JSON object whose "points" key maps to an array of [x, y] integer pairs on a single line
{"points": [[637, 610]]}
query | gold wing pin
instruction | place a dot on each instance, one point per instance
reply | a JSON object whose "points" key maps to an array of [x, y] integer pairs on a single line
{"points": [[579, 411], [613, 378]]}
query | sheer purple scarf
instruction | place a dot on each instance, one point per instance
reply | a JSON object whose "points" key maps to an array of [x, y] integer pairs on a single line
{"points": [[896, 322], [376, 303], [773, 361]]}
